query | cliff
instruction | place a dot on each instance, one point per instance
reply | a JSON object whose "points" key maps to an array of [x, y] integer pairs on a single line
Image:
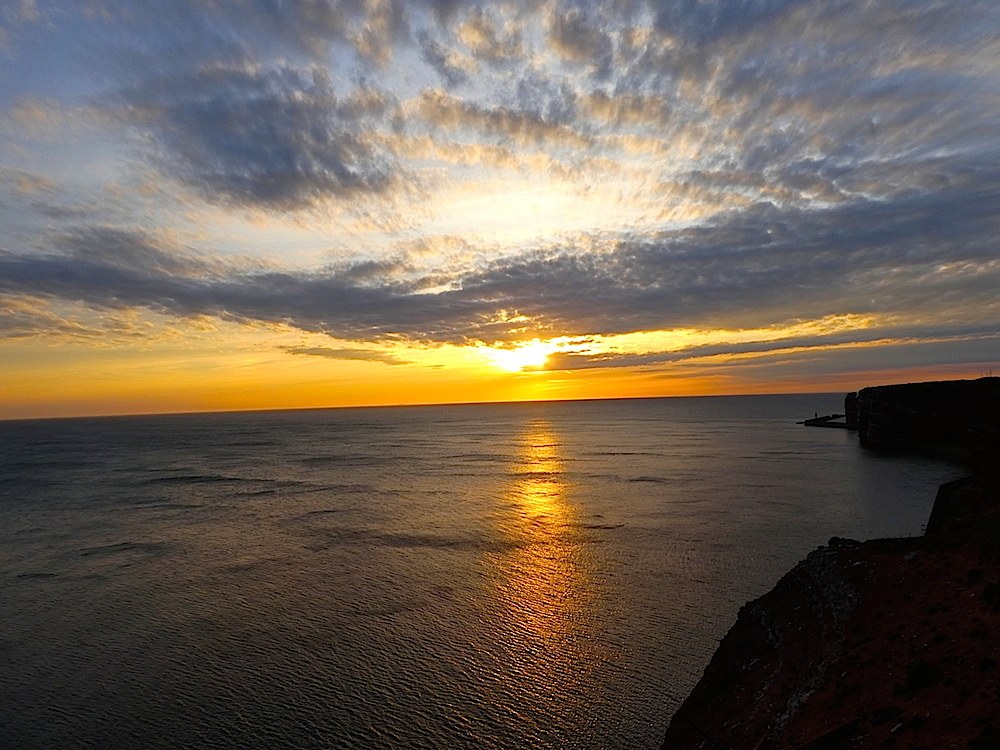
{"points": [[951, 418], [886, 643]]}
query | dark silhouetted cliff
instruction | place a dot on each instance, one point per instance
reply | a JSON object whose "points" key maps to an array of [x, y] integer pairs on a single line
{"points": [[886, 643]]}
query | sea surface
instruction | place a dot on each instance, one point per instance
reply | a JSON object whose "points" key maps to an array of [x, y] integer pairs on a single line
{"points": [[543, 575]]}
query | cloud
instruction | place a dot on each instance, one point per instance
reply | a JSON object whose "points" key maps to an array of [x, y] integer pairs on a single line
{"points": [[451, 65], [291, 30], [129, 251], [33, 117], [386, 23], [363, 355], [24, 317], [966, 345], [799, 93], [277, 138], [921, 256], [447, 112], [786, 159], [707, 20], [23, 183], [576, 38], [363, 272], [962, 356], [489, 39], [14, 16], [627, 108]]}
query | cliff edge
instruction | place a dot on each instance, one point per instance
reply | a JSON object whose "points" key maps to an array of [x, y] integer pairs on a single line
{"points": [[885, 643]]}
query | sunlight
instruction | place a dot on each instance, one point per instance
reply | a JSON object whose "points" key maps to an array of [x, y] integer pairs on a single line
{"points": [[528, 355], [542, 579]]}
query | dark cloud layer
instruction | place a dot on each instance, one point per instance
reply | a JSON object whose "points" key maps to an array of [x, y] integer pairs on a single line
{"points": [[701, 21], [922, 256], [967, 346], [275, 137]]}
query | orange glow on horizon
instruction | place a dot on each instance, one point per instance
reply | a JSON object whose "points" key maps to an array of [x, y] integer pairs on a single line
{"points": [[247, 371]]}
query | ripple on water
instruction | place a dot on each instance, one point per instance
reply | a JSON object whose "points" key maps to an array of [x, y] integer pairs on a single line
{"points": [[414, 578]]}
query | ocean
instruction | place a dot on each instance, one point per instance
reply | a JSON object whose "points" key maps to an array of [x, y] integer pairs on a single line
{"points": [[536, 575]]}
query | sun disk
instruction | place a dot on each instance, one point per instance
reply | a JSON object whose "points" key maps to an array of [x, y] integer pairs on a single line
{"points": [[532, 354]]}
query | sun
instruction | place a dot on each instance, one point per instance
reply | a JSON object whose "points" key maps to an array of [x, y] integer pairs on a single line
{"points": [[528, 355]]}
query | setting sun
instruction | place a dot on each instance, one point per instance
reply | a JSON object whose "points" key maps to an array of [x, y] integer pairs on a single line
{"points": [[528, 355]]}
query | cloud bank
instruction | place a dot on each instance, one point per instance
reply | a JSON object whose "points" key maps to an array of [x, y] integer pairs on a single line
{"points": [[727, 165]]}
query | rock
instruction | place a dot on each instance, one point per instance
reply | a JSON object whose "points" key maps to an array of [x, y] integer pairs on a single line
{"points": [[881, 642]]}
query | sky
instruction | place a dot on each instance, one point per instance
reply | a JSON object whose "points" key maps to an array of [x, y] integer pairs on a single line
{"points": [[240, 204]]}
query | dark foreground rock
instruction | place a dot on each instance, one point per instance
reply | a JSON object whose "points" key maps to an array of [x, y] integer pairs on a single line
{"points": [[891, 643]]}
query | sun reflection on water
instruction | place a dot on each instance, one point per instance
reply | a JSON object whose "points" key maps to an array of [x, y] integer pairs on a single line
{"points": [[542, 580]]}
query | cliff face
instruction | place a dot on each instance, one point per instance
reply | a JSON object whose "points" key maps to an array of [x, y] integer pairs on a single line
{"points": [[887, 643], [773, 659], [955, 418]]}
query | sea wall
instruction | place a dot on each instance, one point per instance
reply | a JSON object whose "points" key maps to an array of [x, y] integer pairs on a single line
{"points": [[886, 643]]}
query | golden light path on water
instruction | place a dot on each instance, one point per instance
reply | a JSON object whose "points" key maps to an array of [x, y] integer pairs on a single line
{"points": [[543, 575], [543, 581]]}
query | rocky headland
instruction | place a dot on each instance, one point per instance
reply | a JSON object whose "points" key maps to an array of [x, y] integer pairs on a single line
{"points": [[884, 643]]}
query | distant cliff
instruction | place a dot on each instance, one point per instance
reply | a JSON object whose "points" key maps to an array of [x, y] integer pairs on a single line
{"points": [[953, 418], [887, 643]]}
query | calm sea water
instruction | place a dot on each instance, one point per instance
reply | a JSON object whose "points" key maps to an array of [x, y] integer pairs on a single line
{"points": [[546, 575]]}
